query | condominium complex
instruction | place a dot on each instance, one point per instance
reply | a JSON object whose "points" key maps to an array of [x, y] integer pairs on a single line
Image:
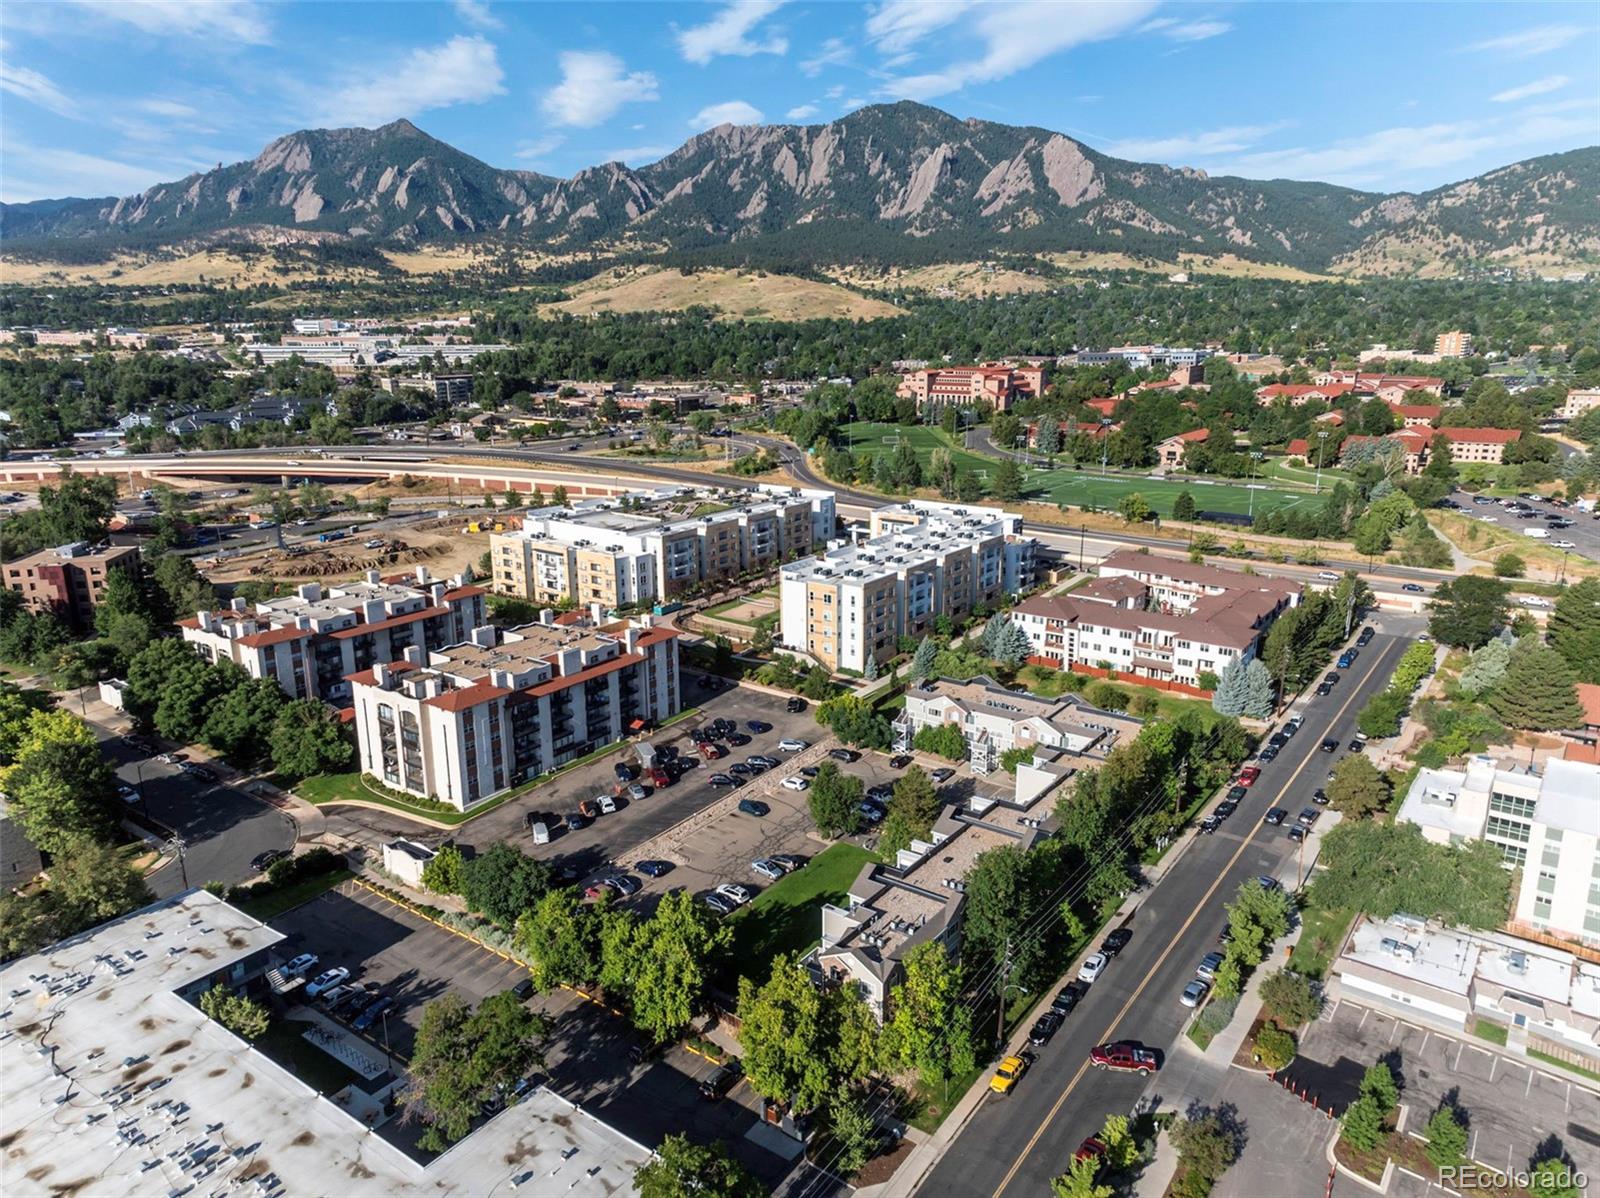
{"points": [[1545, 824], [1155, 617], [995, 720], [1483, 446], [654, 546], [1454, 344], [69, 580], [923, 560], [1578, 403], [310, 642], [464, 723], [998, 383]]}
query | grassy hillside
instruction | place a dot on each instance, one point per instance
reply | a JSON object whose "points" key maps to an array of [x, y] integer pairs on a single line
{"points": [[750, 295]]}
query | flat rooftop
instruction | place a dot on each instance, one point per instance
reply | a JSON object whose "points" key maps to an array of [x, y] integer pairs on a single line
{"points": [[116, 1085], [891, 552]]}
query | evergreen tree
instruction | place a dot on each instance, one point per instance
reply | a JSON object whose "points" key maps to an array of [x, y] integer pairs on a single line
{"points": [[1487, 667], [922, 661], [1047, 440], [1233, 689], [1537, 691], [1008, 482], [1574, 630], [1183, 507], [1258, 690]]}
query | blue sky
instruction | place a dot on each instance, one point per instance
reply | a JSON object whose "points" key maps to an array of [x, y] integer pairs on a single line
{"points": [[102, 97]]}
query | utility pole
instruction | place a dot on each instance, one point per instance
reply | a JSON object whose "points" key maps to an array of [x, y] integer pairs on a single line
{"points": [[1250, 485], [1000, 996], [1083, 531], [1322, 449]]}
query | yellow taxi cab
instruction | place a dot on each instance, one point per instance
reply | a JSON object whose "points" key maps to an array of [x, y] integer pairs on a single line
{"points": [[1011, 1069]]}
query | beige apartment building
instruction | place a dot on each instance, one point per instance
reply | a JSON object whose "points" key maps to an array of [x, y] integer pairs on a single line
{"points": [[69, 580], [1454, 344]]}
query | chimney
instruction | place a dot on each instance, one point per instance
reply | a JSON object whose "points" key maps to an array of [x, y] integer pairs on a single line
{"points": [[458, 580], [422, 576], [208, 622], [547, 616], [372, 611], [414, 655], [597, 613], [630, 639], [373, 577], [436, 591], [382, 675], [303, 623], [484, 636], [310, 591], [238, 605]]}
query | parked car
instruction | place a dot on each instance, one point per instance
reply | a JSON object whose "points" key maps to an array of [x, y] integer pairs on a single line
{"points": [[1044, 1027], [608, 805], [734, 893], [768, 868], [1268, 753], [809, 771], [1209, 824], [1331, 677], [589, 809], [1274, 816], [624, 772], [793, 744], [299, 965], [598, 889], [1236, 794], [742, 769], [721, 780], [260, 861], [1071, 995], [330, 998], [636, 791], [1323, 689], [1248, 775], [625, 886], [653, 868], [198, 772], [765, 762], [1206, 971], [900, 761], [326, 980], [753, 807], [1093, 966], [870, 812], [795, 704], [1225, 808], [1331, 745], [758, 726], [370, 1016], [1194, 993], [789, 861], [1124, 1056], [1009, 1073], [722, 1080], [1347, 659], [942, 775], [710, 751], [1295, 833], [844, 755], [719, 904], [795, 782], [576, 820], [1116, 940], [1308, 816]]}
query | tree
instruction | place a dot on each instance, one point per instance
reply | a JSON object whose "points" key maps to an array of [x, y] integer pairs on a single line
{"points": [[801, 1043], [1553, 1178], [235, 724], [91, 882], [462, 1058], [834, 798], [16, 713], [242, 1016], [561, 937], [1378, 1084], [1574, 629], [1205, 1146], [943, 740], [502, 883], [855, 1131], [1183, 507], [1447, 1138], [669, 959], [61, 789], [307, 739], [1538, 691], [1487, 667], [1135, 508], [1007, 482], [1362, 1125], [1258, 702], [1381, 868], [922, 660], [442, 873], [1257, 916], [1079, 1181], [1275, 1047], [1509, 565], [855, 721], [1232, 693], [1357, 789], [179, 589], [1290, 998], [912, 810], [680, 1168], [929, 1025], [1467, 611]]}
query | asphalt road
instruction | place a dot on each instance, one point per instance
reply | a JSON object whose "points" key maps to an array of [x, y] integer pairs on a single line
{"points": [[1014, 1145]]}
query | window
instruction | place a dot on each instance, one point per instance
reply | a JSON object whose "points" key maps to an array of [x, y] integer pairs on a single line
{"points": [[1507, 829], [1591, 920], [1541, 907], [1512, 805], [1547, 881], [1514, 855]]}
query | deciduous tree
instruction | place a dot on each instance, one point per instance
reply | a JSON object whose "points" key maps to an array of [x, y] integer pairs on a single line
{"points": [[1357, 789], [912, 810], [560, 935], [834, 798], [681, 1168], [307, 739], [462, 1058], [242, 1016], [929, 1025]]}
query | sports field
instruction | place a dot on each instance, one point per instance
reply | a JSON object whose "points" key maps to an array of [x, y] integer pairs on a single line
{"points": [[1084, 487]]}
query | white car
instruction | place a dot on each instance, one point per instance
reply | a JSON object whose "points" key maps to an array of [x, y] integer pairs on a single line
{"points": [[326, 980], [541, 832], [1564, 544], [734, 893], [794, 782], [127, 793], [301, 964], [1490, 519], [1538, 534], [608, 805], [1093, 967], [768, 868], [1534, 601], [793, 745]]}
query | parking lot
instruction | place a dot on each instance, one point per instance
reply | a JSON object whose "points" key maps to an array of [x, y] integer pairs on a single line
{"points": [[1584, 534], [1515, 1112]]}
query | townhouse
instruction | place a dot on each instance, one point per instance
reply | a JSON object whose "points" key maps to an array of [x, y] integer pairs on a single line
{"points": [[69, 580], [309, 643], [922, 560], [654, 546], [464, 723], [1155, 618], [999, 383], [1169, 453]]}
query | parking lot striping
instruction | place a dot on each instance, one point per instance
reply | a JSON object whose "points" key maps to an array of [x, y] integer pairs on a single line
{"points": [[1083, 1068], [420, 914], [592, 999]]}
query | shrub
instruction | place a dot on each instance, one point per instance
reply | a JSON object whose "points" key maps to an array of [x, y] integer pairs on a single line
{"points": [[1275, 1047], [1362, 1125], [1290, 998], [944, 741], [1216, 1016], [1447, 1139], [1509, 565]]}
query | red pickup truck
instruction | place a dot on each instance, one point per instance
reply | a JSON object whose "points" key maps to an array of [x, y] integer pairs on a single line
{"points": [[660, 779], [1125, 1056], [710, 752]]}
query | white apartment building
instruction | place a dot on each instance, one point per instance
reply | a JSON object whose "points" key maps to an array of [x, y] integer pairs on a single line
{"points": [[1547, 825], [1578, 403], [463, 723], [312, 641], [1154, 617], [995, 720], [656, 545], [923, 560]]}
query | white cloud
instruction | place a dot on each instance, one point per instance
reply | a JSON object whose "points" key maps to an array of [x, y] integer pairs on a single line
{"points": [[1232, 139], [464, 70], [37, 89], [1178, 30], [171, 108], [230, 20], [637, 155], [802, 112], [1016, 34], [48, 172], [731, 112], [834, 92], [1550, 83], [594, 86], [1373, 158], [476, 14], [834, 51], [898, 25], [537, 147], [729, 33], [1541, 39]]}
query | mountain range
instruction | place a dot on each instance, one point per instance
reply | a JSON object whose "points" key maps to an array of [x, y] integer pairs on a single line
{"points": [[895, 181]]}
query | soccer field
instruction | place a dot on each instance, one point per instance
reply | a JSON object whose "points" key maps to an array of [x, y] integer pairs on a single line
{"points": [[1079, 488]]}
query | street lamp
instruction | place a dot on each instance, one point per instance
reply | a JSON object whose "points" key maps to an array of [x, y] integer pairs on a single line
{"points": [[177, 844], [1105, 445], [1322, 446], [1250, 484]]}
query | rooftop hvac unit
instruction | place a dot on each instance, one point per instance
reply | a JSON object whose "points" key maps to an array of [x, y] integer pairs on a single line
{"points": [[1517, 961]]}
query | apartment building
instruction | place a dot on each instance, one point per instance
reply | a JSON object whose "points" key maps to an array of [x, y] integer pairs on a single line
{"points": [[1548, 998], [1454, 344], [921, 561], [656, 545], [310, 642], [69, 580], [1169, 453], [463, 723], [1416, 415], [999, 383], [1300, 394], [446, 389], [1468, 446], [1578, 403], [1545, 823], [1139, 357], [1155, 617], [995, 720]]}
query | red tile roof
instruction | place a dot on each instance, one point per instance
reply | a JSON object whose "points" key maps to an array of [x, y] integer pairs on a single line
{"points": [[275, 636], [345, 634], [1104, 406], [368, 677], [1194, 434], [1298, 448], [565, 680], [465, 592], [1589, 700], [1482, 436], [1426, 411], [467, 696]]}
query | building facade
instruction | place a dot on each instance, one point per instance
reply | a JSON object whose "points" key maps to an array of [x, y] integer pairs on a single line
{"points": [[999, 383], [921, 561], [1454, 344], [466, 722], [69, 580], [1578, 403], [310, 642]]}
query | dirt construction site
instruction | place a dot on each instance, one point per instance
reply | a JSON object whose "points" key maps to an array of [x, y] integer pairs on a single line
{"points": [[441, 545]]}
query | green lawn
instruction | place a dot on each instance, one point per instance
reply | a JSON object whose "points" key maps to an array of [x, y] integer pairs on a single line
{"points": [[1321, 934], [1536, 1055], [786, 916], [285, 1043], [1050, 683], [1076, 487], [285, 898], [1494, 1033]]}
